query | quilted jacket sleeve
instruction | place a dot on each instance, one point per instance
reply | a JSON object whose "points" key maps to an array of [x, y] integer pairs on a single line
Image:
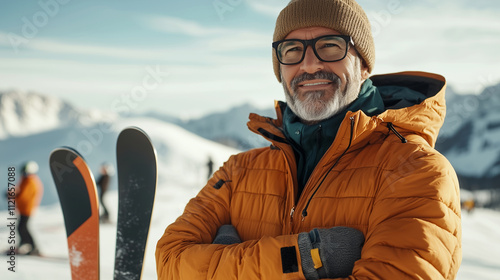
{"points": [[414, 230], [185, 250]]}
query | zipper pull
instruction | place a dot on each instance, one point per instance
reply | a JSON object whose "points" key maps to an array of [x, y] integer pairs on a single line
{"points": [[291, 219]]}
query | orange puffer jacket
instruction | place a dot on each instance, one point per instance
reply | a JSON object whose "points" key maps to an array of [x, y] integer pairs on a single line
{"points": [[404, 197], [28, 194]]}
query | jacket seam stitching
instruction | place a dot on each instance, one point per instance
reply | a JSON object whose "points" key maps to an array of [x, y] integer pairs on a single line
{"points": [[420, 197]]}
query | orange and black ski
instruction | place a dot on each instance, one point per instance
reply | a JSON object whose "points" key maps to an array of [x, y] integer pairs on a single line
{"points": [[78, 197]]}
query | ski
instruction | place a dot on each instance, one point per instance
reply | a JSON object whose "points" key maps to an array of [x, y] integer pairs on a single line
{"points": [[79, 203], [137, 175]]}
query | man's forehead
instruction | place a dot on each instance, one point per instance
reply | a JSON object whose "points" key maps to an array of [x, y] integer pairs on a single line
{"points": [[311, 32]]}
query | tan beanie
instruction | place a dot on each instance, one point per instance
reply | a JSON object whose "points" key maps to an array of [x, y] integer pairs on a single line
{"points": [[344, 16]]}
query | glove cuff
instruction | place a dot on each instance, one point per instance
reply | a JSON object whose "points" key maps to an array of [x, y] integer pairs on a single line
{"points": [[227, 235], [305, 247]]}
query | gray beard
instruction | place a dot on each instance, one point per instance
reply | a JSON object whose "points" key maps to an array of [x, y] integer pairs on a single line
{"points": [[313, 108]]}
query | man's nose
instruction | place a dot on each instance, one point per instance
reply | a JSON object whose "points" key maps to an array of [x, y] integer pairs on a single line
{"points": [[311, 63]]}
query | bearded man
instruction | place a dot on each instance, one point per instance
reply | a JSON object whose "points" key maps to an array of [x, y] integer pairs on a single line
{"points": [[351, 186]]}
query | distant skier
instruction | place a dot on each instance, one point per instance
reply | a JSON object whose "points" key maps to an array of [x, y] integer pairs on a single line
{"points": [[29, 193], [469, 205], [103, 185], [210, 167]]}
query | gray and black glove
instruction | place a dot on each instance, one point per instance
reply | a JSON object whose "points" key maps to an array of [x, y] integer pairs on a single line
{"points": [[330, 253], [226, 235]]}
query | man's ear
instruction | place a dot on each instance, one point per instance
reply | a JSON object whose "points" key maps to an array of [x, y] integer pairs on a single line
{"points": [[364, 70]]}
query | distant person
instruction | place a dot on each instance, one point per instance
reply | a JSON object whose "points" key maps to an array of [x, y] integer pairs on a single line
{"points": [[469, 205], [29, 193], [351, 186], [210, 167], [106, 171]]}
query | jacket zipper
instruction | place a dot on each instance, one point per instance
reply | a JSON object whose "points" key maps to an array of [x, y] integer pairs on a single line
{"points": [[304, 212], [318, 139]]}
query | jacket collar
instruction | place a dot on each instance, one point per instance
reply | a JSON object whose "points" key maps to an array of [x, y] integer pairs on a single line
{"points": [[424, 118]]}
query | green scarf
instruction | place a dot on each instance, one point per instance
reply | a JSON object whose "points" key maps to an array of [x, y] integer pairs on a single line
{"points": [[310, 142]]}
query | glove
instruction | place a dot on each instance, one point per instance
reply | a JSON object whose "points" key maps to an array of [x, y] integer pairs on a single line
{"points": [[226, 235], [330, 253]]}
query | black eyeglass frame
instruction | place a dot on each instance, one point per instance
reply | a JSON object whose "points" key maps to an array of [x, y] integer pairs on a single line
{"points": [[312, 43]]}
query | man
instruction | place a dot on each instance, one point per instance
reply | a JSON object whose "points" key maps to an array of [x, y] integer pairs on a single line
{"points": [[351, 186], [103, 185], [29, 193]]}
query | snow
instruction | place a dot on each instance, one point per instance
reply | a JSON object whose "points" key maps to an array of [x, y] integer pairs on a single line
{"points": [[480, 245], [75, 256]]}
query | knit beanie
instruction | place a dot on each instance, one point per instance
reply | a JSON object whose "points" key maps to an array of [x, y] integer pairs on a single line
{"points": [[344, 16]]}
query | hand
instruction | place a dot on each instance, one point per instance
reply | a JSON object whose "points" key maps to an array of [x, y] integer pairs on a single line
{"points": [[330, 253], [226, 235]]}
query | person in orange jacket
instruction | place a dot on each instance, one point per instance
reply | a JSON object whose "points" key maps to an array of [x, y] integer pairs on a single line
{"points": [[29, 193], [351, 186]]}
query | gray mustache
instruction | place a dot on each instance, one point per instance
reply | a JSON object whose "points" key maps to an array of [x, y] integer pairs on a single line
{"points": [[320, 75]]}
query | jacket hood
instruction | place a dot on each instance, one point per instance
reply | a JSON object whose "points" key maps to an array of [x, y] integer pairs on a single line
{"points": [[422, 116]]}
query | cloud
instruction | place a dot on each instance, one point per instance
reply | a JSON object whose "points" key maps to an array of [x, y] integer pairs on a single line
{"points": [[212, 39], [462, 44], [182, 26], [268, 8], [48, 45]]}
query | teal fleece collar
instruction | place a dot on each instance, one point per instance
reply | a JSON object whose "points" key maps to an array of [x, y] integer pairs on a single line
{"points": [[310, 142]]}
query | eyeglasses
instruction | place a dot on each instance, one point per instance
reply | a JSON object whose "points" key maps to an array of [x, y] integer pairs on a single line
{"points": [[329, 48]]}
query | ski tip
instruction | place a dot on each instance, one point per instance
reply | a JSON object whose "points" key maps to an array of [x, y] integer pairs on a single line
{"points": [[133, 129], [134, 132], [65, 149], [135, 138]]}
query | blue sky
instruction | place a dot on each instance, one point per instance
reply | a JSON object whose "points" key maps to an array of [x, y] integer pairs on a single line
{"points": [[190, 57]]}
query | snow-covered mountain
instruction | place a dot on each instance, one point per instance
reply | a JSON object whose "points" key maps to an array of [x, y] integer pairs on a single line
{"points": [[470, 137], [25, 113]]}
